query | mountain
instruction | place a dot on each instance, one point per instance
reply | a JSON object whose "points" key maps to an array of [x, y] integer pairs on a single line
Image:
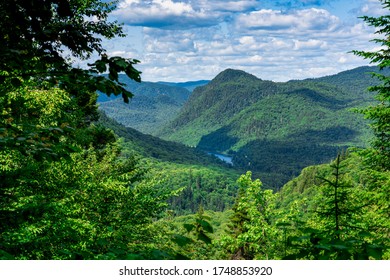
{"points": [[152, 106], [275, 129], [190, 85]]}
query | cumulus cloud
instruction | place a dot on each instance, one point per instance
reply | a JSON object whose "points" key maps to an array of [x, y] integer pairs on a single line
{"points": [[188, 40], [226, 5], [306, 20], [162, 14], [171, 14]]}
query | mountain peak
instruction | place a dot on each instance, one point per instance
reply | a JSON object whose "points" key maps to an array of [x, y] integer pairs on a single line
{"points": [[230, 75]]}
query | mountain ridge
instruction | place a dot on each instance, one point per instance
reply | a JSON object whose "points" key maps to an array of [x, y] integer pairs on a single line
{"points": [[272, 126], [153, 105]]}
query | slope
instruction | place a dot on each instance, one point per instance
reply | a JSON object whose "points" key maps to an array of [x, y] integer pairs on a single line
{"points": [[275, 129], [208, 181], [152, 106]]}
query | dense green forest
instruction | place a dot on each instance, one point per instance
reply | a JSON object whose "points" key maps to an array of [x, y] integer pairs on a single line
{"points": [[207, 180], [276, 129], [75, 184]]}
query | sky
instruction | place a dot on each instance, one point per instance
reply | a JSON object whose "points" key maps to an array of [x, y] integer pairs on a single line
{"points": [[279, 40]]}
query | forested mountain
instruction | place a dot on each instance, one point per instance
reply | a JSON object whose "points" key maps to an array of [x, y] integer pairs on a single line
{"points": [[275, 129], [152, 106]]}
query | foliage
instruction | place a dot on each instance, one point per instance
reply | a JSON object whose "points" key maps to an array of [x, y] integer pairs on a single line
{"points": [[40, 41], [342, 212], [65, 191], [379, 113], [207, 186], [253, 234], [38, 122], [69, 189], [153, 147], [196, 236], [72, 195]]}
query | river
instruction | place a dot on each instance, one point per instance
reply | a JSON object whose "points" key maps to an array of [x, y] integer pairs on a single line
{"points": [[224, 158]]}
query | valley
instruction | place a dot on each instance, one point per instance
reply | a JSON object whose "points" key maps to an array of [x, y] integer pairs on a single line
{"points": [[96, 164], [272, 129], [153, 104]]}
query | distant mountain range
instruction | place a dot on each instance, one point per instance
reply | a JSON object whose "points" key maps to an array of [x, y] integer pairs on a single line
{"points": [[153, 104], [275, 129], [191, 85]]}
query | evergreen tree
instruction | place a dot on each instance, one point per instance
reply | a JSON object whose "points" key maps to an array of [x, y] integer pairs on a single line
{"points": [[254, 234], [379, 114]]}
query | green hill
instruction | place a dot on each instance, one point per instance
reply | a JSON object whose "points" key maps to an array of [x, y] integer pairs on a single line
{"points": [[275, 129], [152, 106]]}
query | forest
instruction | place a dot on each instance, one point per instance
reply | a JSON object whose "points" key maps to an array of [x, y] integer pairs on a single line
{"points": [[77, 185]]}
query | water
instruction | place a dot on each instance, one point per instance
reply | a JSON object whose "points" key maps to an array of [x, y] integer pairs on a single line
{"points": [[224, 158]]}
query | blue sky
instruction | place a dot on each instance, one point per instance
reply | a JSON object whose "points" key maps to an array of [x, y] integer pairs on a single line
{"points": [[182, 40]]}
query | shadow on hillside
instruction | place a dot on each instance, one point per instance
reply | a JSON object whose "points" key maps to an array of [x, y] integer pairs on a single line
{"points": [[217, 141], [277, 162], [333, 135], [317, 97]]}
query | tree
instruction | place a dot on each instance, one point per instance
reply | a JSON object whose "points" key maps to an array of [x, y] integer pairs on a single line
{"points": [[254, 235], [379, 114], [347, 218], [39, 43], [335, 202], [65, 192], [40, 40]]}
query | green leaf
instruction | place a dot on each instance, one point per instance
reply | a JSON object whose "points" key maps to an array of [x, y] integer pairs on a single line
{"points": [[101, 66], [375, 251], [120, 62], [113, 75]]}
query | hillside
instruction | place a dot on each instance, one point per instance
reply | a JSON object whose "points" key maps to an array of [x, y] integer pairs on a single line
{"points": [[209, 181], [152, 106], [275, 129]]}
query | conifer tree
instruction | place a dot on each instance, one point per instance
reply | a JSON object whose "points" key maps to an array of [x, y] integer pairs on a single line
{"points": [[379, 114]]}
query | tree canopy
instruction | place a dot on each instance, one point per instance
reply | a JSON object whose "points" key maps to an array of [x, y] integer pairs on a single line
{"points": [[379, 113], [40, 41]]}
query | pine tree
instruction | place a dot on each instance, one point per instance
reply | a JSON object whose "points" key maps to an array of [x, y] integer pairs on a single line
{"points": [[379, 114]]}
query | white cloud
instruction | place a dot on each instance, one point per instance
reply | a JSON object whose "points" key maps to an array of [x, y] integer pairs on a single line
{"points": [[225, 5], [372, 8], [306, 20], [163, 14], [309, 44], [181, 40]]}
